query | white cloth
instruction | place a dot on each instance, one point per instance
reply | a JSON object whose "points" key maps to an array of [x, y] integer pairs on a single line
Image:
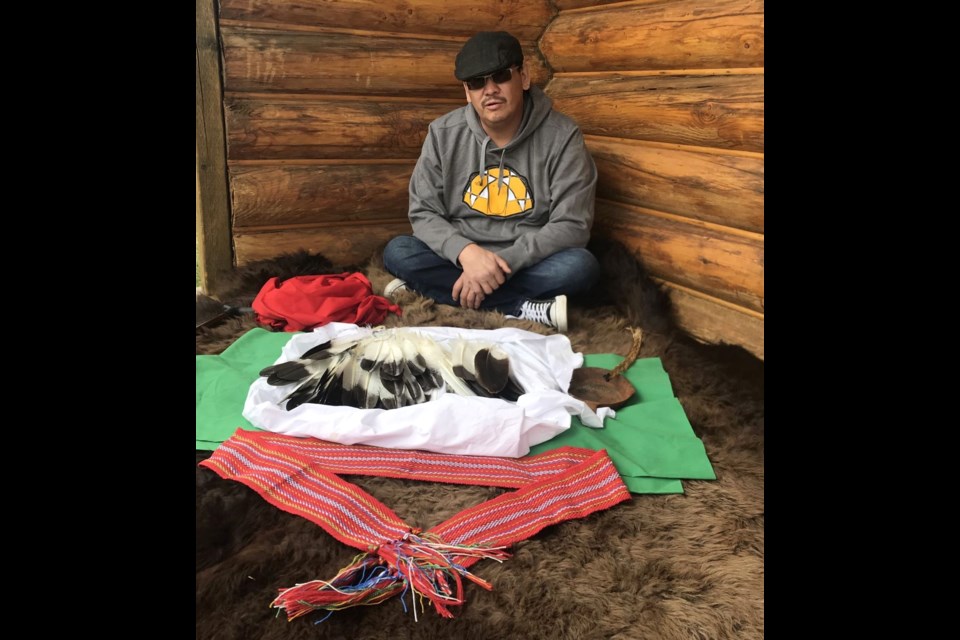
{"points": [[449, 424]]}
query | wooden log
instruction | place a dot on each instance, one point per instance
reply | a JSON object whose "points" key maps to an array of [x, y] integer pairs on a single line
{"points": [[525, 19], [278, 195], [723, 111], [686, 34], [345, 245], [261, 126], [567, 5], [728, 266], [214, 254], [715, 321], [344, 63], [720, 188]]}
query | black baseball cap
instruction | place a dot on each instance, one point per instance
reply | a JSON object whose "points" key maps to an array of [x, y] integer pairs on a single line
{"points": [[486, 52]]}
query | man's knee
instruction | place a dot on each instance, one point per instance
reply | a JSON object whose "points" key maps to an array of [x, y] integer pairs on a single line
{"points": [[398, 251], [585, 260], [583, 269]]}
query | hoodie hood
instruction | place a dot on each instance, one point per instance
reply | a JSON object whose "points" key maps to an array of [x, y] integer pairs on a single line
{"points": [[536, 107]]}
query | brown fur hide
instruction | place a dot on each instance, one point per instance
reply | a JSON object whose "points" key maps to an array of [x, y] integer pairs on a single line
{"points": [[667, 567]]}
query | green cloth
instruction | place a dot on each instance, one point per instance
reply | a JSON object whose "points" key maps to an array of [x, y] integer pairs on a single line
{"points": [[223, 382], [650, 441]]}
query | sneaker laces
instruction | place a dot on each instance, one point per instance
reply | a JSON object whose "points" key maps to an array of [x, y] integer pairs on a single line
{"points": [[538, 311]]}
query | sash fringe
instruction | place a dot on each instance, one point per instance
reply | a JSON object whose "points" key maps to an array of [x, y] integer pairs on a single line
{"points": [[299, 476]]}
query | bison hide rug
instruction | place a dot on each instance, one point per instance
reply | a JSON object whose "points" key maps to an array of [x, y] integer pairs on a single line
{"points": [[676, 566]]}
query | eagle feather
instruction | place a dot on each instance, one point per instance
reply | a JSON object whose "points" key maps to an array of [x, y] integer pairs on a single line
{"points": [[394, 368]]}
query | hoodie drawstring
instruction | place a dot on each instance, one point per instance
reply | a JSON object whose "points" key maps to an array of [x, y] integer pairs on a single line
{"points": [[500, 171], [483, 156], [484, 182]]}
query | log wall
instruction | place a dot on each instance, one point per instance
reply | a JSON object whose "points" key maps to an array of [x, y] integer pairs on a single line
{"points": [[669, 94], [326, 105]]}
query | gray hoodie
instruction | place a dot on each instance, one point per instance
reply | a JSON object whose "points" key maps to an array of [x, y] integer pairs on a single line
{"points": [[524, 202]]}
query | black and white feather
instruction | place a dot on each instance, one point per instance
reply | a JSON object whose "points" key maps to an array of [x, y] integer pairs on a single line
{"points": [[394, 368]]}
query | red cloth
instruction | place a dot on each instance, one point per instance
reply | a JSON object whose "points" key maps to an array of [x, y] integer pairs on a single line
{"points": [[304, 302]]}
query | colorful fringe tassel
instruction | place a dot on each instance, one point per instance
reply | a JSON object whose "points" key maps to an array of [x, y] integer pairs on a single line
{"points": [[420, 564]]}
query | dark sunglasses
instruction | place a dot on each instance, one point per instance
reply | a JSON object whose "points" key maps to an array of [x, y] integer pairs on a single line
{"points": [[479, 82]]}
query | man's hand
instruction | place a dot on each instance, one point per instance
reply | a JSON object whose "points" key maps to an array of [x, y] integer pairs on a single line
{"points": [[483, 273]]}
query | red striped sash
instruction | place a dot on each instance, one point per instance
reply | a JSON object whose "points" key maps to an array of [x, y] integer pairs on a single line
{"points": [[298, 475]]}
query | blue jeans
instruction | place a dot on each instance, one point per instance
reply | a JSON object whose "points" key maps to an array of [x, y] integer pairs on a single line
{"points": [[569, 271]]}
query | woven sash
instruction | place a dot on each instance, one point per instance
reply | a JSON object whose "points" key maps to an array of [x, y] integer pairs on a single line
{"points": [[299, 475]]}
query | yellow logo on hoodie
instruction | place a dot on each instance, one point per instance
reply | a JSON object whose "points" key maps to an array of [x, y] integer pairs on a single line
{"points": [[492, 196]]}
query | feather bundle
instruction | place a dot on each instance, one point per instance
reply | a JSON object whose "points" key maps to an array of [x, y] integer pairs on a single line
{"points": [[394, 368]]}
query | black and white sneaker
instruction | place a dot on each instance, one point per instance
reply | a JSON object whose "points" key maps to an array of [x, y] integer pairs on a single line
{"points": [[552, 313]]}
